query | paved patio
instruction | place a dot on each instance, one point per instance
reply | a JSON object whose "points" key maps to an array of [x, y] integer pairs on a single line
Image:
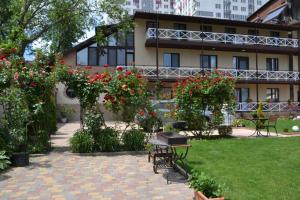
{"points": [[62, 175]]}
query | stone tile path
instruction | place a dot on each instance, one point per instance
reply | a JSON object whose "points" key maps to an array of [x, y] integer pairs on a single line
{"points": [[62, 175]]}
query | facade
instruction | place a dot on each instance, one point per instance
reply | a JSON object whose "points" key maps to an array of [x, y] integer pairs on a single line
{"points": [[223, 9], [263, 57], [160, 6]]}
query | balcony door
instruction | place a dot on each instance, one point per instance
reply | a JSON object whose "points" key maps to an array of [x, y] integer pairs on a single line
{"points": [[171, 60], [242, 94], [208, 61], [240, 63], [272, 94], [181, 28], [272, 64]]}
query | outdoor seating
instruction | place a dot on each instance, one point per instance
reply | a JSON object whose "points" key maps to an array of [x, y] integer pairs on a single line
{"points": [[272, 122]]}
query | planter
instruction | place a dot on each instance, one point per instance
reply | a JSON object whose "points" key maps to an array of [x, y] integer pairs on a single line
{"points": [[201, 196], [172, 138], [20, 159]]}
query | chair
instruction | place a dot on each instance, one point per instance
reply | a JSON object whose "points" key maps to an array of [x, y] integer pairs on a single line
{"points": [[272, 122]]}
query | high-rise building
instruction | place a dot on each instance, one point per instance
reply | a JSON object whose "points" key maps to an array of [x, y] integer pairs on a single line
{"points": [[160, 6], [224, 9]]}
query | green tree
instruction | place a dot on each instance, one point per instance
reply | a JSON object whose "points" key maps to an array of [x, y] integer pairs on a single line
{"points": [[57, 22]]}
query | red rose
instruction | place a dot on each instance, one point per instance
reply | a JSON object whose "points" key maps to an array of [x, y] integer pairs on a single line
{"points": [[128, 73], [105, 65], [33, 84], [153, 114], [62, 62], [141, 113], [139, 76], [119, 68], [88, 67]]}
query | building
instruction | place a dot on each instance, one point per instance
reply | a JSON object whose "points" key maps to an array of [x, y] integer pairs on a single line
{"points": [[223, 9], [161, 6], [263, 57]]}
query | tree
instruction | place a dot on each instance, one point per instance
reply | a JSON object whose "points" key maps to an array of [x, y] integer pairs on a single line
{"points": [[57, 22]]}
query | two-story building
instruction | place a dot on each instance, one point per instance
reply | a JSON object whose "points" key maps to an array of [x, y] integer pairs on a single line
{"points": [[263, 57]]}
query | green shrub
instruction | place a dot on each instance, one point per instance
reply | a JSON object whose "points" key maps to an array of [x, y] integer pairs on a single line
{"points": [[81, 142], [4, 161], [205, 184], [225, 130], [40, 143], [134, 140], [106, 140]]}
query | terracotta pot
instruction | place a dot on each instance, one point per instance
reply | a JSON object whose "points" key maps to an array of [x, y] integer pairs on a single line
{"points": [[201, 196]]}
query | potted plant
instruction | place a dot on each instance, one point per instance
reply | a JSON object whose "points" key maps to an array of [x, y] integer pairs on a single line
{"points": [[205, 187], [66, 113]]}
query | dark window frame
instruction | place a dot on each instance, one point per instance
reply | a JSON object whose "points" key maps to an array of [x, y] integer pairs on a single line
{"points": [[209, 61], [238, 58], [271, 60], [240, 99], [172, 54], [274, 91]]}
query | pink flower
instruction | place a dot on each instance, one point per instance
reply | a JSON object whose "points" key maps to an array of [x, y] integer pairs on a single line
{"points": [[88, 67], [105, 65], [128, 73], [119, 68], [16, 76]]}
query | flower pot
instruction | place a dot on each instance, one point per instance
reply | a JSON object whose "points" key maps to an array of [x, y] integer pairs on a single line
{"points": [[64, 120], [201, 196], [20, 159]]}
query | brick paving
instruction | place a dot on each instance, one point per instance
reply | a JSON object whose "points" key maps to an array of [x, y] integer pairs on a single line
{"points": [[62, 175]]}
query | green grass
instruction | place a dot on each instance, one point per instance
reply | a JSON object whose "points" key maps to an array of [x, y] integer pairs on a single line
{"points": [[251, 169], [282, 124]]}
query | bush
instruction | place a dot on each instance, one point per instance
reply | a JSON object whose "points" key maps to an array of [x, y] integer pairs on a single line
{"points": [[106, 140], [4, 161], [134, 140], [81, 142], [225, 130], [40, 142], [205, 184]]}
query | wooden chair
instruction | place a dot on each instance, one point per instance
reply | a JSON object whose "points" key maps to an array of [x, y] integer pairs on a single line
{"points": [[272, 122]]}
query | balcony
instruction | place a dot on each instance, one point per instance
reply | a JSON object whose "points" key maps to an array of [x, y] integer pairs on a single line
{"points": [[184, 72], [268, 107], [224, 41]]}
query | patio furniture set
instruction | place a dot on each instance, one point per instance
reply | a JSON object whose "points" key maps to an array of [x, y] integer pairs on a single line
{"points": [[264, 123]]}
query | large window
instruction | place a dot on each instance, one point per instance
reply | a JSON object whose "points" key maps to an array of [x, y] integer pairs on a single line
{"points": [[208, 61], [171, 60], [242, 94], [119, 50], [272, 94], [272, 64], [240, 63]]}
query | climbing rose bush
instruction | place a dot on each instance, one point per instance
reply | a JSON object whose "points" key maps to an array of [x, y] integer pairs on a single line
{"points": [[195, 95], [126, 94]]}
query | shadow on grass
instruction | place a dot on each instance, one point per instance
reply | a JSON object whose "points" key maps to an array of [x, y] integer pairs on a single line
{"points": [[212, 137]]}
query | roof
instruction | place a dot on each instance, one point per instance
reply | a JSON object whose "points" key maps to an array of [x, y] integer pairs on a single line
{"points": [[266, 5], [183, 18], [81, 45]]}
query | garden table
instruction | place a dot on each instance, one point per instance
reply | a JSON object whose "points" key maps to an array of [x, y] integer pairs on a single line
{"points": [[259, 125]]}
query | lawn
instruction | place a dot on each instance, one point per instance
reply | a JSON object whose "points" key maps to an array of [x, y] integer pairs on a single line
{"points": [[282, 124], [251, 169]]}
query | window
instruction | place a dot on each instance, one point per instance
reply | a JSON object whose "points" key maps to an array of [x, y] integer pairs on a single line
{"points": [[130, 40], [112, 40], [121, 57], [259, 2], [240, 63], [166, 6], [151, 24], [208, 61], [218, 6], [206, 28], [274, 34], [112, 55], [243, 9], [230, 30], [171, 60], [92, 56], [235, 8], [178, 26], [272, 64], [242, 94], [218, 15], [82, 57], [70, 93], [253, 32], [103, 57], [129, 58], [243, 1], [272, 94]]}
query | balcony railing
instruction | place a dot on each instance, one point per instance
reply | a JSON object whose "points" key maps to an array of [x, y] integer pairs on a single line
{"points": [[184, 72], [268, 107], [221, 38]]}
